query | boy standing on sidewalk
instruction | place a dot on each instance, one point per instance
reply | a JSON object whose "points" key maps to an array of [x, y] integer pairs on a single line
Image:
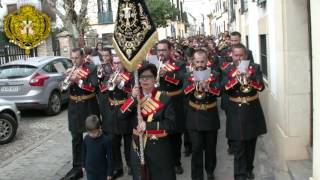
{"points": [[97, 152]]}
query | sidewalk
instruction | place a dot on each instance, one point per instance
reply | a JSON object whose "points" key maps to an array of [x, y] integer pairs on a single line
{"points": [[51, 158]]}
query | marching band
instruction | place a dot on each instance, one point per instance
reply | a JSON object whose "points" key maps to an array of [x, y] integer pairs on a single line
{"points": [[177, 97]]}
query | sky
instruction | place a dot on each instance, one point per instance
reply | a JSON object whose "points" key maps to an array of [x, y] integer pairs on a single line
{"points": [[198, 7]]}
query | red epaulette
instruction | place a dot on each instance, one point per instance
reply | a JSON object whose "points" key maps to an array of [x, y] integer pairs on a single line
{"points": [[232, 73], [83, 73], [170, 67], [150, 106], [171, 80], [231, 83], [103, 87], [224, 65], [215, 91], [211, 78], [256, 85], [126, 105], [188, 89], [125, 76], [251, 70], [191, 78], [87, 87]]}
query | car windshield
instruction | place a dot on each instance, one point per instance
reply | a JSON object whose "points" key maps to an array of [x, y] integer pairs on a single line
{"points": [[16, 71]]}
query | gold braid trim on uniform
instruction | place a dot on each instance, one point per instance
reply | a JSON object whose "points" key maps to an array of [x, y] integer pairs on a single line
{"points": [[140, 56]]}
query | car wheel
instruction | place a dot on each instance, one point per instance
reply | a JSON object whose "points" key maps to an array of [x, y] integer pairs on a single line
{"points": [[54, 104], [8, 128]]}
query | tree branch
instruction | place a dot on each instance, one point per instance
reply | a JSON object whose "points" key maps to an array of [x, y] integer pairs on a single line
{"points": [[52, 4], [82, 14]]}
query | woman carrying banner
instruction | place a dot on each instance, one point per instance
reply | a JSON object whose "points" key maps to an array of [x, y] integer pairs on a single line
{"points": [[157, 121]]}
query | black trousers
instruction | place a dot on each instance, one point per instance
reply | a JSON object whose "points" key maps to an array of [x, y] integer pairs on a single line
{"points": [[244, 152], [158, 159], [176, 143], [77, 149], [187, 140], [116, 149], [203, 141]]}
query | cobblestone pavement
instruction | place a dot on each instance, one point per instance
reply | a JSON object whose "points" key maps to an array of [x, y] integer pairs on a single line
{"points": [[49, 158], [34, 127]]}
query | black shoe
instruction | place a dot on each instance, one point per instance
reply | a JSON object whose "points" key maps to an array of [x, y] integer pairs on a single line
{"points": [[73, 174], [230, 151], [250, 175], [210, 177], [117, 174], [178, 169]]}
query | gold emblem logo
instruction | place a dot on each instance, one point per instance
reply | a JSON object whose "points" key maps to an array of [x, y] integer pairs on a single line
{"points": [[27, 27]]}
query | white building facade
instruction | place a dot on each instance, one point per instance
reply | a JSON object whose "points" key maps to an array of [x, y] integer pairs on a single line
{"points": [[283, 38]]}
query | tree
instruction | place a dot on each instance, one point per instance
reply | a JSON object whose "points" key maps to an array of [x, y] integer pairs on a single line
{"points": [[161, 11], [76, 23]]}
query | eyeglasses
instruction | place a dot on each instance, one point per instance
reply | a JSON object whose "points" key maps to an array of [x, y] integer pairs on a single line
{"points": [[162, 50], [146, 77]]}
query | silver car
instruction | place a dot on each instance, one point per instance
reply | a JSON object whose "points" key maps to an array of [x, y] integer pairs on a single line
{"points": [[34, 83], [9, 121]]}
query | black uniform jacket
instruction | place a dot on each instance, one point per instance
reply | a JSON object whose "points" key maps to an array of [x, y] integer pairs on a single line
{"points": [[79, 110], [110, 102], [245, 120], [172, 82], [206, 118]]}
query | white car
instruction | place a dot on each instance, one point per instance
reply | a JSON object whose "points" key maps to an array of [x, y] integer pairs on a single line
{"points": [[9, 121]]}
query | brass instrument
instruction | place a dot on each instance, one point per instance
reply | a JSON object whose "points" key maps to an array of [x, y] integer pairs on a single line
{"points": [[65, 84], [245, 86], [157, 84], [100, 71], [199, 93], [112, 80]]}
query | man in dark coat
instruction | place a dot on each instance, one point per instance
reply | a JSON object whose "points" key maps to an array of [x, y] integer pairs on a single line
{"points": [[170, 82], [82, 103], [113, 93], [245, 120], [202, 120]]}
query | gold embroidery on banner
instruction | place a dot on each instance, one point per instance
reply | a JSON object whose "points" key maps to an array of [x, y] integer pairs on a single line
{"points": [[128, 34]]}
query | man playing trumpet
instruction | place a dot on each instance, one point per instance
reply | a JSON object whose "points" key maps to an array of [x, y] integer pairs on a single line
{"points": [[171, 82], [201, 87], [113, 94], [82, 103], [245, 120]]}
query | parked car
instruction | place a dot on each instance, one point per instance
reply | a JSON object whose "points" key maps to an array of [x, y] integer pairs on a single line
{"points": [[9, 120], [34, 83]]}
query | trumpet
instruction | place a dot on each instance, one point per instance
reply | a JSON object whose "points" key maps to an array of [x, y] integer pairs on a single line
{"points": [[104, 70], [67, 82], [100, 71], [112, 80], [199, 92], [157, 84], [244, 82]]}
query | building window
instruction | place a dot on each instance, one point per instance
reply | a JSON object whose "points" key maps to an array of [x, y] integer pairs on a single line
{"points": [[244, 6], [104, 12], [261, 2], [263, 55]]}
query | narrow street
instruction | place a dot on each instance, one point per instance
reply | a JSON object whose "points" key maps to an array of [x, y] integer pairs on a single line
{"points": [[43, 152]]}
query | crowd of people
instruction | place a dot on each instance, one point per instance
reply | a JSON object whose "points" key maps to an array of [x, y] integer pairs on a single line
{"points": [[172, 102]]}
